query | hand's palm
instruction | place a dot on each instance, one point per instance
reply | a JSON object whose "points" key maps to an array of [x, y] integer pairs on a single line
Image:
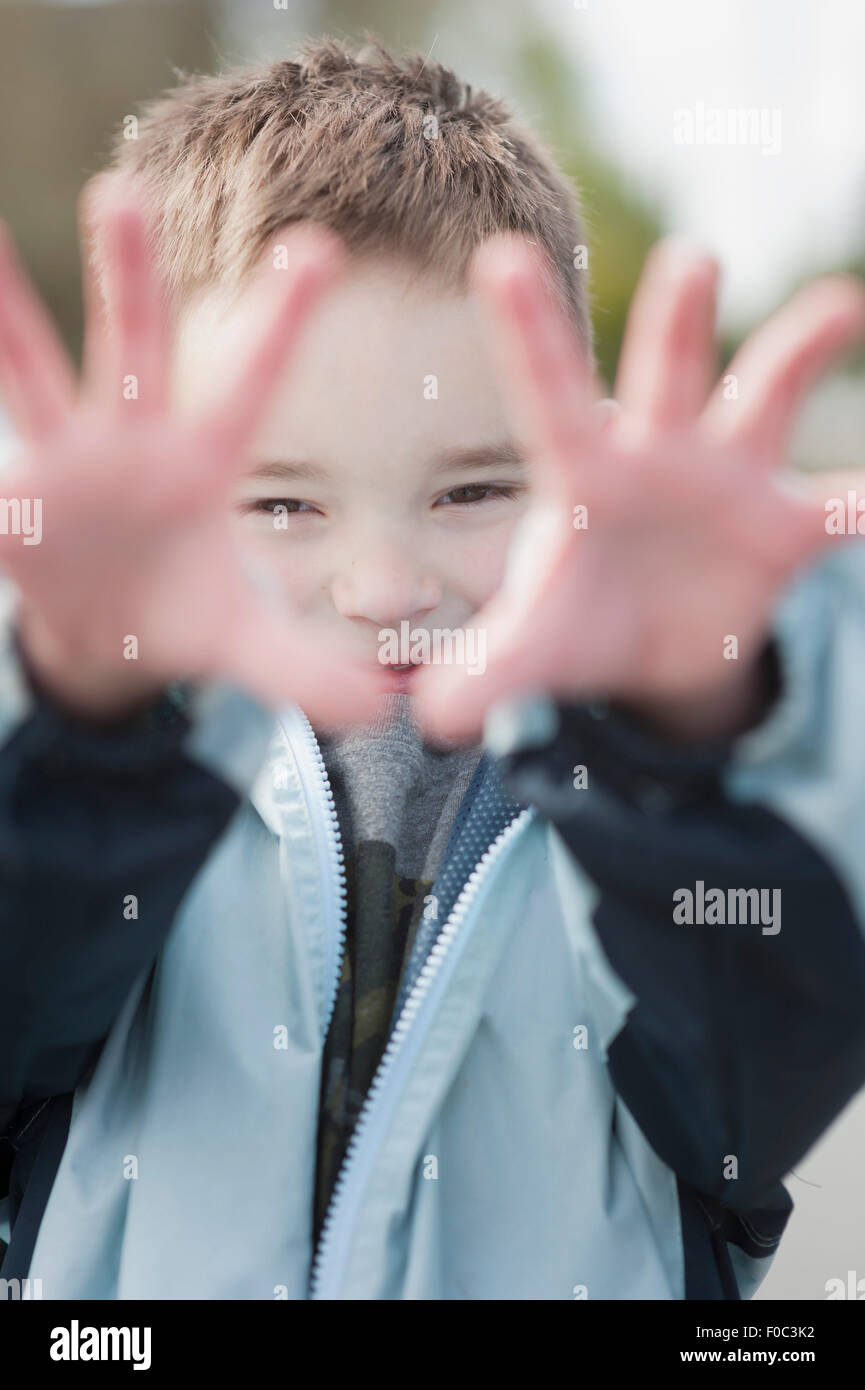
{"points": [[658, 540], [137, 540]]}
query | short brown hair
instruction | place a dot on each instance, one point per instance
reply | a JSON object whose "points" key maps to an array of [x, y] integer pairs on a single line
{"points": [[394, 154]]}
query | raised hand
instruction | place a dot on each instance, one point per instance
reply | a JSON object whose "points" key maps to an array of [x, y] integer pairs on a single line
{"points": [[648, 565], [137, 579]]}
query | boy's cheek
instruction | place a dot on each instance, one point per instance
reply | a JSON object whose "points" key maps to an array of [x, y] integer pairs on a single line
{"points": [[473, 571], [295, 577], [482, 568], [300, 589]]}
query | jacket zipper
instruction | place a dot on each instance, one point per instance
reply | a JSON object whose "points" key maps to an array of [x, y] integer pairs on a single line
{"points": [[364, 1141], [331, 857]]}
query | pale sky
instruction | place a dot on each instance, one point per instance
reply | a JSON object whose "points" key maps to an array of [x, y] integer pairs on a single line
{"points": [[771, 217]]}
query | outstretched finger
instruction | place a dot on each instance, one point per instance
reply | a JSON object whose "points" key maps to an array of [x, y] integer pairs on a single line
{"points": [[826, 508], [668, 356], [95, 355], [36, 374], [136, 304], [294, 274], [510, 635], [276, 662], [452, 703], [515, 652], [545, 370], [777, 366]]}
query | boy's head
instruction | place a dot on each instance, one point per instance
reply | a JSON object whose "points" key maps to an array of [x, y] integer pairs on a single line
{"points": [[386, 482]]}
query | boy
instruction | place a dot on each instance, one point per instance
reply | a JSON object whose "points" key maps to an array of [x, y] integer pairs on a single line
{"points": [[414, 1032]]}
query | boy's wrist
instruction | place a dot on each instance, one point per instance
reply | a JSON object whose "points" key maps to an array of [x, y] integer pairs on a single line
{"points": [[653, 762], [724, 712], [82, 688]]}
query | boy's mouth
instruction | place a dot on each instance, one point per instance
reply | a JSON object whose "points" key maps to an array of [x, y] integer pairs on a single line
{"points": [[399, 676]]}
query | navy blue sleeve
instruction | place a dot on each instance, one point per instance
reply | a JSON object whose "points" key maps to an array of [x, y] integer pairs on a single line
{"points": [[91, 818], [744, 1044]]}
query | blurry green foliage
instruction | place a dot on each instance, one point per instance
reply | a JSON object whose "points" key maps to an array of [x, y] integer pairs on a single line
{"points": [[620, 224]]}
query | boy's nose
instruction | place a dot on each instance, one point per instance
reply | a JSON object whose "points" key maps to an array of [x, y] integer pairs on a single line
{"points": [[384, 587]]}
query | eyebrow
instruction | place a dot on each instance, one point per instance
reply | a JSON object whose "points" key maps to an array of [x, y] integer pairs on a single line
{"points": [[504, 455], [461, 460]]}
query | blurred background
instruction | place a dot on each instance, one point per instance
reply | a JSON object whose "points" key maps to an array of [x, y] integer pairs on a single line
{"points": [[624, 93]]}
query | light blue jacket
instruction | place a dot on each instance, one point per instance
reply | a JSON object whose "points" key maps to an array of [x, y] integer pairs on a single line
{"points": [[494, 1158]]}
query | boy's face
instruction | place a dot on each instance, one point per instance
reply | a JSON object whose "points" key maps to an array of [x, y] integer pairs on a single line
{"points": [[385, 484]]}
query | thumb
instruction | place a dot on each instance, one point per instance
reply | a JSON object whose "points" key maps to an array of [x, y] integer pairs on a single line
{"points": [[451, 701]]}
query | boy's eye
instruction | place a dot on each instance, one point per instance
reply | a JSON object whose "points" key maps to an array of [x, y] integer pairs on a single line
{"points": [[269, 505], [478, 492]]}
